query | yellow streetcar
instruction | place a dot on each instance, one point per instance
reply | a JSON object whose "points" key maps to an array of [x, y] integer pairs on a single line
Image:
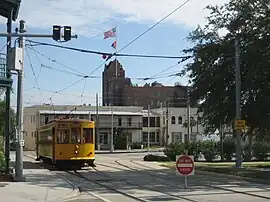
{"points": [[67, 143]]}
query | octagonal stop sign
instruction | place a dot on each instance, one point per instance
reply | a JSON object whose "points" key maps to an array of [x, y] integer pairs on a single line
{"points": [[185, 165]]}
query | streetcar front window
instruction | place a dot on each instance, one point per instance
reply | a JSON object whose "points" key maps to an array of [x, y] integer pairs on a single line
{"points": [[75, 135], [88, 135], [63, 136]]}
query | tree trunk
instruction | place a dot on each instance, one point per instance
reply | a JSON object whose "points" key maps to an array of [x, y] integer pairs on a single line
{"points": [[250, 135]]}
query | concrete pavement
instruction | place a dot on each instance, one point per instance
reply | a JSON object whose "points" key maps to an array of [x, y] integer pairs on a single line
{"points": [[151, 182], [40, 185]]}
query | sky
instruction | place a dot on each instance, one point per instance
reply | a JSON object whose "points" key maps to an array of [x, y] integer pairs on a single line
{"points": [[89, 20]]}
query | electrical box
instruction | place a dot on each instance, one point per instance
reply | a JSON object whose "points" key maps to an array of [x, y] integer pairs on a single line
{"points": [[15, 59]]}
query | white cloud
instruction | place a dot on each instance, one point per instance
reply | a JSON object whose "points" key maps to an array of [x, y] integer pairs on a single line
{"points": [[89, 17]]}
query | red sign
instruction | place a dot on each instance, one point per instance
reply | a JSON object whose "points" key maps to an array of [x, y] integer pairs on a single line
{"points": [[185, 165]]}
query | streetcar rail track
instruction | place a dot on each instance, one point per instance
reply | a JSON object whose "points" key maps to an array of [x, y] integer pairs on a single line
{"points": [[210, 186], [72, 194], [145, 187], [108, 187]]}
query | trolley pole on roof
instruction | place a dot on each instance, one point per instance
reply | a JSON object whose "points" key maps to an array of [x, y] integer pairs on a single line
{"points": [[15, 62]]}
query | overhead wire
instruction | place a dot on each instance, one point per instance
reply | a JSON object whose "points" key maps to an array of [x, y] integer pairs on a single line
{"points": [[93, 96], [142, 34], [83, 90], [106, 53], [37, 58], [55, 61], [87, 76], [34, 74]]}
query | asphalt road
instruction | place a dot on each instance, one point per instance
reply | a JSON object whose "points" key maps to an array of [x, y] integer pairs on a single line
{"points": [[125, 177]]}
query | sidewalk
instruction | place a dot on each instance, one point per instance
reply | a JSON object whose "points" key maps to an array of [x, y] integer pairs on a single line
{"points": [[40, 185]]}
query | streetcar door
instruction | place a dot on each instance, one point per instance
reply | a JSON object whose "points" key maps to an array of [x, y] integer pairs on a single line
{"points": [[53, 144]]}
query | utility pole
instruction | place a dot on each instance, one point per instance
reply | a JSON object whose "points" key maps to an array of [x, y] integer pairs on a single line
{"points": [[221, 134], [11, 58], [112, 131], [167, 124], [97, 123], [19, 118], [8, 89], [148, 129], [238, 162], [188, 114]]}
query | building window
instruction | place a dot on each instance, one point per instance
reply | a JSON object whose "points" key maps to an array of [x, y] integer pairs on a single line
{"points": [[152, 137], [158, 137], [176, 137], [152, 122], [157, 121], [103, 138], [173, 120], [119, 121], [145, 121], [129, 121], [180, 120]]}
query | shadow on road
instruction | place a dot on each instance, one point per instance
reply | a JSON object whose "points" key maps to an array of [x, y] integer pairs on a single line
{"points": [[133, 182]]}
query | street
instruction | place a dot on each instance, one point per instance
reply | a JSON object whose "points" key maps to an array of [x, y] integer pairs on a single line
{"points": [[125, 177]]}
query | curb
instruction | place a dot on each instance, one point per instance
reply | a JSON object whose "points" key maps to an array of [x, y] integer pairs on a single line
{"points": [[254, 180], [126, 152]]}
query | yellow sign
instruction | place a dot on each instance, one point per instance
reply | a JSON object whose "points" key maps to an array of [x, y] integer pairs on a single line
{"points": [[240, 124]]}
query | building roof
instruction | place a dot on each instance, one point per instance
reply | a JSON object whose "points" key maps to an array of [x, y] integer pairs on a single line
{"points": [[7, 5], [91, 112]]}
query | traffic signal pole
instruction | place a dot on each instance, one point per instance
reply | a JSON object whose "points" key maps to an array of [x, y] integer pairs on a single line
{"points": [[19, 119]]}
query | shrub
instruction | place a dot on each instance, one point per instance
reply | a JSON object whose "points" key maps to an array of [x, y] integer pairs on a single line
{"points": [[261, 149], [173, 150], [136, 145], [209, 150], [228, 148], [151, 157], [2, 160]]}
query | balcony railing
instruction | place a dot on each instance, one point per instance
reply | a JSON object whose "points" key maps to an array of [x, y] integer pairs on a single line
{"points": [[4, 81]]}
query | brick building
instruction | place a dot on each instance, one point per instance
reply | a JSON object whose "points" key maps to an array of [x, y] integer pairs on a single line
{"points": [[119, 91]]}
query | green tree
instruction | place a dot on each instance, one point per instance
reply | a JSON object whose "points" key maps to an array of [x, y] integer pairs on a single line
{"points": [[212, 69], [2, 118]]}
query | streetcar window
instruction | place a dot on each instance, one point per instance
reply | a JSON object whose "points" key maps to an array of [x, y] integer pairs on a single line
{"points": [[63, 136], [75, 135], [88, 135]]}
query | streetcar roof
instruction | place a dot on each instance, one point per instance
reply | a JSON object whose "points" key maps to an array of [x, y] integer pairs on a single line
{"points": [[90, 112], [72, 120]]}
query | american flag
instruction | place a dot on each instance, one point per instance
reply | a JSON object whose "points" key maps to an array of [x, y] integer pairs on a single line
{"points": [[110, 33]]}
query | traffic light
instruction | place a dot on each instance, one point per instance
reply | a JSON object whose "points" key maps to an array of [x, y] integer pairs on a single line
{"points": [[56, 32], [67, 33]]}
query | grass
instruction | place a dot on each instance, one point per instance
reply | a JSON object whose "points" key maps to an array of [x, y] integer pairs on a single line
{"points": [[250, 169]]}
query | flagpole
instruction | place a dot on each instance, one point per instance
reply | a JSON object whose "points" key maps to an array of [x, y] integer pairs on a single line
{"points": [[116, 37]]}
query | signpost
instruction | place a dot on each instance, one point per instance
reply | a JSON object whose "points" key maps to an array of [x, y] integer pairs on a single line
{"points": [[185, 166]]}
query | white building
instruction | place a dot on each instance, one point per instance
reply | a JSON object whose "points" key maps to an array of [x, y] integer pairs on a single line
{"points": [[126, 120], [177, 124], [131, 122]]}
